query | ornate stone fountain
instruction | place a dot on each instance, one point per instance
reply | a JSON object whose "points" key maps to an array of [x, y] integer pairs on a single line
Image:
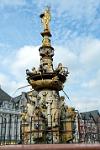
{"points": [[48, 107]]}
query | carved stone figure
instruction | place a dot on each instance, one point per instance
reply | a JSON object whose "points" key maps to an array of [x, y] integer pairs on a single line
{"points": [[30, 109], [55, 138], [62, 108], [49, 102], [34, 70], [47, 65], [25, 127], [28, 72], [55, 113], [23, 101], [71, 113], [24, 116], [66, 72], [61, 70]]}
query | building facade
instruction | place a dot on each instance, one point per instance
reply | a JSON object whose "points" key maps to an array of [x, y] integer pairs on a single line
{"points": [[89, 127], [9, 120]]}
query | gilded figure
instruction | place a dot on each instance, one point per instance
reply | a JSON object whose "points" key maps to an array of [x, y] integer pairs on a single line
{"points": [[45, 19]]}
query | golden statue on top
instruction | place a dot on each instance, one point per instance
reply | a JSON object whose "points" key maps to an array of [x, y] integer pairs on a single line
{"points": [[45, 19]]}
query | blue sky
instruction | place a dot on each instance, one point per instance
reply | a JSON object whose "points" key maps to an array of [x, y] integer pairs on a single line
{"points": [[75, 37]]}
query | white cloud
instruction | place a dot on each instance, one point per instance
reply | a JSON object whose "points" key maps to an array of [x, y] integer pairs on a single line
{"points": [[65, 56], [10, 85], [3, 78], [94, 83], [26, 57], [86, 103], [16, 64], [90, 55]]}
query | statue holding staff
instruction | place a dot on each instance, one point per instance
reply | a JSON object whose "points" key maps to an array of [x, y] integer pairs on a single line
{"points": [[45, 19]]}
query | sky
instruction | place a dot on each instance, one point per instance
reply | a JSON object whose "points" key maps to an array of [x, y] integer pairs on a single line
{"points": [[75, 37]]}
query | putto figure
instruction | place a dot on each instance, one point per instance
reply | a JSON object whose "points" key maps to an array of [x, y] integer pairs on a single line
{"points": [[45, 19]]}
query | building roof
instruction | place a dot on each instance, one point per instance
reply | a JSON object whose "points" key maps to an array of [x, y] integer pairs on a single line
{"points": [[17, 98], [22, 97], [4, 96], [94, 114]]}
